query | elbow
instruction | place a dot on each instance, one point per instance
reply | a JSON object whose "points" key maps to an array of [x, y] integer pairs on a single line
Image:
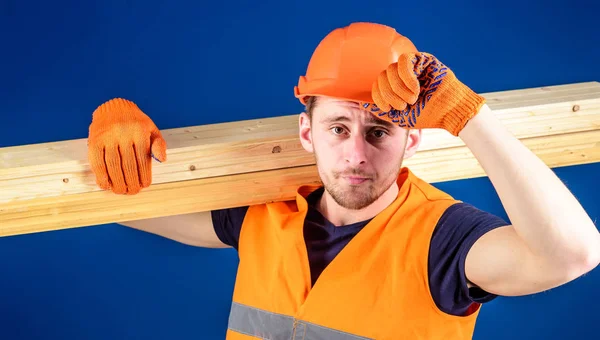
{"points": [[572, 265], [592, 256], [588, 258]]}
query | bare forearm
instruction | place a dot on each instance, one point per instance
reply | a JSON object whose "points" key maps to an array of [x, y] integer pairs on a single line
{"points": [[543, 211], [195, 229]]}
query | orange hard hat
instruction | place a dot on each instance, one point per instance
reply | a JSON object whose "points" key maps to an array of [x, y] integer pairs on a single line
{"points": [[348, 60]]}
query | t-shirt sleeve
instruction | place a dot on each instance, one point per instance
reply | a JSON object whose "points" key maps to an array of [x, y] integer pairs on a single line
{"points": [[228, 224], [459, 227]]}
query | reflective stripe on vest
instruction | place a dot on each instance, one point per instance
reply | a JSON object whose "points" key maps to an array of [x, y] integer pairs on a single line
{"points": [[267, 325]]}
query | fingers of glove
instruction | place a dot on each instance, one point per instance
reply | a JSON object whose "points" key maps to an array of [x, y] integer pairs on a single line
{"points": [[408, 71], [387, 94], [130, 168], [398, 86], [159, 146], [144, 161], [96, 159], [112, 157], [378, 99]]}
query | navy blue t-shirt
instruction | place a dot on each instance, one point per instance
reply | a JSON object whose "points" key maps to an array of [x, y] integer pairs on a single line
{"points": [[458, 228]]}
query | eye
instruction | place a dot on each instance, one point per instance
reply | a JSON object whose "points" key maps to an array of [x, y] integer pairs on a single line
{"points": [[337, 130], [379, 133]]}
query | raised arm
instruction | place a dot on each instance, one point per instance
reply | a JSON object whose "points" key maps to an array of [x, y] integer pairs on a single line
{"points": [[552, 240]]}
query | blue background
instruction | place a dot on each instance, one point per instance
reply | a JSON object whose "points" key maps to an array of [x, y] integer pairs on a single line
{"points": [[186, 63]]}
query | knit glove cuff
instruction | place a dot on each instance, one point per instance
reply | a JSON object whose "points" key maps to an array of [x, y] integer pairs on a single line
{"points": [[459, 104]]}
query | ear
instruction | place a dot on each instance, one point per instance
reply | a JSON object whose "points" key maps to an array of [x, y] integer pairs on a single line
{"points": [[413, 141], [305, 132]]}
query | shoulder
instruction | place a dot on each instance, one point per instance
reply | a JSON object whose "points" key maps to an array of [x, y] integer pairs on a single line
{"points": [[428, 190], [228, 224], [458, 228], [463, 217]]}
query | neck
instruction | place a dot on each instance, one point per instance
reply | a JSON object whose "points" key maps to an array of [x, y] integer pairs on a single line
{"points": [[341, 216]]}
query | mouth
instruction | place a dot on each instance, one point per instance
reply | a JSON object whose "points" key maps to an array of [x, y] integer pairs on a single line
{"points": [[354, 180]]}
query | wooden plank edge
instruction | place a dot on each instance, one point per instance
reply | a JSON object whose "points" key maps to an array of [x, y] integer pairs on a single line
{"points": [[95, 208], [67, 178]]}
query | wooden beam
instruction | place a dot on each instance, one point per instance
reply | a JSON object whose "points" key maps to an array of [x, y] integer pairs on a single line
{"points": [[49, 186]]}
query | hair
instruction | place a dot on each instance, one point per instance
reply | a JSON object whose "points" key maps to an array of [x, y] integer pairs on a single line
{"points": [[311, 102]]}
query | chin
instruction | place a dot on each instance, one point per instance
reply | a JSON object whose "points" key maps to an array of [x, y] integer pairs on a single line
{"points": [[354, 197]]}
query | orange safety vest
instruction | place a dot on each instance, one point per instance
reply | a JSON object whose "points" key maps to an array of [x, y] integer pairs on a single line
{"points": [[376, 288]]}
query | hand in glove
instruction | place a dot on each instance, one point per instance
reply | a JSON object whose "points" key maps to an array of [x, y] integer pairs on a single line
{"points": [[420, 92], [122, 141]]}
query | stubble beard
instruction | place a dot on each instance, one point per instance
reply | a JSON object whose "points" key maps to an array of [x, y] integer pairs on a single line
{"points": [[356, 197]]}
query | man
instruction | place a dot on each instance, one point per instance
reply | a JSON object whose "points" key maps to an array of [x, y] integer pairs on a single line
{"points": [[374, 253]]}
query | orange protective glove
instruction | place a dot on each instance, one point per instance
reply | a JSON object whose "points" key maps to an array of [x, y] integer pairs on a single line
{"points": [[420, 92], [122, 141]]}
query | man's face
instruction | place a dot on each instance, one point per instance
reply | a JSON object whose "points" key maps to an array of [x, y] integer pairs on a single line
{"points": [[358, 156]]}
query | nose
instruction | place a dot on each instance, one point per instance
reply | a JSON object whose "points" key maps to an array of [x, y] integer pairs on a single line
{"points": [[355, 151]]}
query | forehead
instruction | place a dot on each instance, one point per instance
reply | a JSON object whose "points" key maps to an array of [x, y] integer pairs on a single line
{"points": [[328, 109]]}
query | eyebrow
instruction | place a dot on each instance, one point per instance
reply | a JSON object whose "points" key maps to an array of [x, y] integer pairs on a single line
{"points": [[371, 120]]}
